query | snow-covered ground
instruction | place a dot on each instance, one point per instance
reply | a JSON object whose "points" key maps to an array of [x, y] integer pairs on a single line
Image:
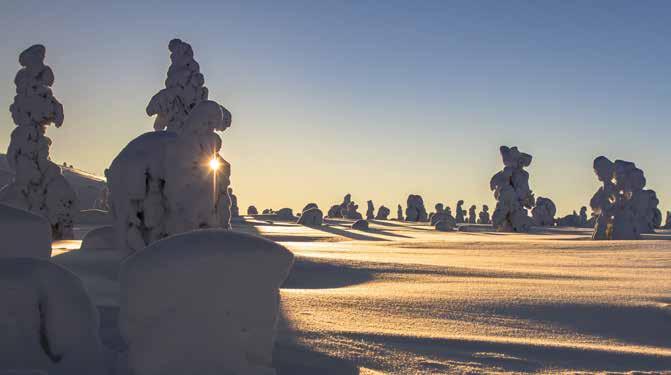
{"points": [[404, 298]]}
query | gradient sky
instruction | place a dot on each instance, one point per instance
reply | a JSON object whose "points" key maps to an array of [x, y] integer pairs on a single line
{"points": [[376, 98]]}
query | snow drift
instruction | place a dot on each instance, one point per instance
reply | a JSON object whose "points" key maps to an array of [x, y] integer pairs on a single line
{"points": [[47, 320], [23, 234], [203, 302]]}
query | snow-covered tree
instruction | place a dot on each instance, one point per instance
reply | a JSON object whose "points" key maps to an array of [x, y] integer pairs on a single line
{"points": [[184, 89], [168, 182], [38, 185]]}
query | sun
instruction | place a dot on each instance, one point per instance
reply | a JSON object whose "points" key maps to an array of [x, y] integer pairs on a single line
{"points": [[215, 164]]}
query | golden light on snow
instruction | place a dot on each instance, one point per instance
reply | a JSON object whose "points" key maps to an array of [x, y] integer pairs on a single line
{"points": [[214, 164]]}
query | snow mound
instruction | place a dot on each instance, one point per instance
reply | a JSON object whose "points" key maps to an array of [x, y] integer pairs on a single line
{"points": [[203, 302], [312, 217], [101, 238], [360, 225], [47, 320], [446, 224], [285, 214], [23, 234]]}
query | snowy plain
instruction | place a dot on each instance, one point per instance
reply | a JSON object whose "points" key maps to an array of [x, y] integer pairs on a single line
{"points": [[403, 298]]}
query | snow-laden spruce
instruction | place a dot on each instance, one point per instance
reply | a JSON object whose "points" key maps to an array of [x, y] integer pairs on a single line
{"points": [[370, 211], [544, 212], [459, 214], [173, 181], [203, 302], [382, 213], [311, 216], [184, 89], [415, 210], [47, 320], [23, 234], [38, 184], [625, 209], [512, 192], [162, 183], [483, 216], [472, 214], [235, 210]]}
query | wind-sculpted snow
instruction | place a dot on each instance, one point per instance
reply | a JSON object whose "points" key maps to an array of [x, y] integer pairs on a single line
{"points": [[101, 238], [401, 298], [203, 302], [38, 184], [23, 234], [47, 321]]}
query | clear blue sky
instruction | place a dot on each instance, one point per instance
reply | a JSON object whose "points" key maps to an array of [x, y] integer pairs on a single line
{"points": [[376, 98]]}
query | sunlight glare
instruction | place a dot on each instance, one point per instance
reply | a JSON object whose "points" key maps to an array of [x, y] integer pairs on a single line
{"points": [[214, 164]]}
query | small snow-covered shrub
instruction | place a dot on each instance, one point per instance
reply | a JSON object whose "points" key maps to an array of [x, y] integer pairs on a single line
{"points": [[23, 234], [285, 214], [312, 217], [544, 212], [446, 224], [47, 321], [202, 302]]}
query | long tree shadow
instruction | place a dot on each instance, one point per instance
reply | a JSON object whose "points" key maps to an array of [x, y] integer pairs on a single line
{"points": [[642, 325], [290, 357], [387, 223], [412, 225], [386, 233], [348, 234], [517, 356], [315, 274]]}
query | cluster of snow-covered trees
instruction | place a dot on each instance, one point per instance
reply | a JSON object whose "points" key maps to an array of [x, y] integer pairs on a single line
{"points": [[171, 203], [162, 184]]}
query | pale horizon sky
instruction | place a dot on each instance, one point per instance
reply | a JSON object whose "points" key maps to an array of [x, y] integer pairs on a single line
{"points": [[378, 99]]}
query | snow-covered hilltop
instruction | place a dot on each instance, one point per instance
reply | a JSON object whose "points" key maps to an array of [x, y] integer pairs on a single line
{"points": [[88, 186]]}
